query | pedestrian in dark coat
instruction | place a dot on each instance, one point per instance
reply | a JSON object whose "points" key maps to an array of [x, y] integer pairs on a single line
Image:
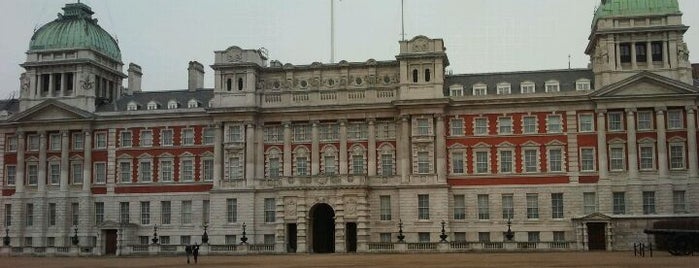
{"points": [[195, 252], [188, 251]]}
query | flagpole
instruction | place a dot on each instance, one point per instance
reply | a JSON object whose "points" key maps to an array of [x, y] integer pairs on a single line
{"points": [[332, 31], [402, 22]]}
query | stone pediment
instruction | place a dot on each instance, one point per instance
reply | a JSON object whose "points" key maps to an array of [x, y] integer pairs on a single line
{"points": [[645, 84], [595, 217], [51, 110]]}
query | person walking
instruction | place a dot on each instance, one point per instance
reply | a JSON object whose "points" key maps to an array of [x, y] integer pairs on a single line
{"points": [[188, 251], [195, 252]]}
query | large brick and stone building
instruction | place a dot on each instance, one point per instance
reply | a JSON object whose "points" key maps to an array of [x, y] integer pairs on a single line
{"points": [[331, 157]]}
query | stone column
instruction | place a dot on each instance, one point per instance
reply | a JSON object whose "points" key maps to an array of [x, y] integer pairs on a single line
{"points": [[649, 55], [65, 160], [315, 149], [19, 173], [250, 153], [441, 149], [692, 142], [666, 58], [218, 155], [662, 142], [343, 147], [87, 160], [404, 146], [602, 144], [617, 56], [62, 91], [631, 144], [287, 149], [371, 147], [633, 56], [51, 85], [41, 180], [260, 149]]}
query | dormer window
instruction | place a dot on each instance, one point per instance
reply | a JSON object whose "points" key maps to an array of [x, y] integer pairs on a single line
{"points": [[553, 86], [504, 89], [172, 104], [527, 87], [192, 103], [582, 84], [480, 90], [456, 90], [132, 106], [152, 105]]}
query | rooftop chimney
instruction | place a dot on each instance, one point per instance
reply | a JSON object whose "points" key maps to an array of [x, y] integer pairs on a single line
{"points": [[196, 75], [135, 75]]}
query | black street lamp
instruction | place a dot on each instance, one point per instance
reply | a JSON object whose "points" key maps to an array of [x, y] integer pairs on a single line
{"points": [[155, 235], [205, 236], [443, 236], [243, 239], [75, 236], [6, 239], [400, 231], [509, 234]]}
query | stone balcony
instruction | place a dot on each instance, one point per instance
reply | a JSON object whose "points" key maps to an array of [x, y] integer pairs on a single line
{"points": [[322, 181], [272, 99]]}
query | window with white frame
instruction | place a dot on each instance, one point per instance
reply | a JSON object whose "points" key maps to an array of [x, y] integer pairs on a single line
{"points": [[145, 170], [557, 205], [55, 142], [188, 136], [186, 169], [125, 138], [166, 170], [29, 215], [480, 90], [152, 105], [554, 123], [533, 237], [274, 163], [131, 106], [483, 207], [146, 138], [329, 132], [645, 120], [529, 124], [99, 212], [423, 162], [234, 169], [192, 103], [559, 236], [32, 142], [552, 86], [145, 212], [385, 130], [78, 141], [616, 158], [302, 132], [482, 162], [54, 172], [76, 172], [527, 87], [125, 171], [235, 133], [385, 237], [385, 207], [619, 203], [679, 204], [648, 202], [123, 212], [75, 213], [423, 126], [504, 89], [506, 160], [483, 237], [532, 206], [480, 126], [100, 140], [32, 173], [302, 166], [276, 133], [587, 123], [677, 160], [456, 127], [357, 161], [11, 142], [459, 207], [172, 104], [270, 210], [10, 174], [387, 161], [207, 169], [166, 137], [531, 159], [674, 119], [357, 131], [582, 84], [587, 159], [505, 125], [457, 162], [646, 156], [423, 207], [208, 135], [186, 212], [555, 158], [100, 172], [508, 206], [615, 121], [456, 90], [589, 202], [231, 210]]}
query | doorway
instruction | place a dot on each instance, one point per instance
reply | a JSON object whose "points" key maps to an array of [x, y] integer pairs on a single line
{"points": [[110, 242], [596, 237], [351, 236], [291, 234], [323, 226]]}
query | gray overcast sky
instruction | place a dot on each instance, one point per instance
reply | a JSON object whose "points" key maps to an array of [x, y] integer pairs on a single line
{"points": [[480, 35]]}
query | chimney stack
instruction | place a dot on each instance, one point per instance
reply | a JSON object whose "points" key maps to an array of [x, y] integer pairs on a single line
{"points": [[196, 75], [135, 75]]}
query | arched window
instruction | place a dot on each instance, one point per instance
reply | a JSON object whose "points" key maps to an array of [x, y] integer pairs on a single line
{"points": [[240, 83], [415, 73], [229, 84], [427, 75]]}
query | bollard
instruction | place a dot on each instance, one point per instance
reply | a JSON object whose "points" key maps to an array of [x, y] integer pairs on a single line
{"points": [[634, 250], [643, 250], [650, 249]]}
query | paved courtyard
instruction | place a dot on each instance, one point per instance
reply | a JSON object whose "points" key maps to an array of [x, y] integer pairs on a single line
{"points": [[573, 259]]}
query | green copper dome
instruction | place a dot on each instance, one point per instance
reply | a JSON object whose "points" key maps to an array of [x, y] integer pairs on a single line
{"points": [[620, 8], [75, 29]]}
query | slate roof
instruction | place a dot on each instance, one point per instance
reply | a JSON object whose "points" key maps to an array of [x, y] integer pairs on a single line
{"points": [[566, 79], [10, 105], [203, 95]]}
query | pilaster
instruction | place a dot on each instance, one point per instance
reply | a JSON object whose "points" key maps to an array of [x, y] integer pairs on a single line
{"points": [[249, 153], [65, 161], [631, 145], [19, 174], [662, 142], [692, 142], [41, 183], [287, 149], [315, 149], [602, 145], [440, 150], [404, 147], [343, 147], [87, 161], [218, 155], [371, 154]]}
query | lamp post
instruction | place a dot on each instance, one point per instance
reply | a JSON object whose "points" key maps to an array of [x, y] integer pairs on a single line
{"points": [[509, 234], [243, 239], [155, 235], [205, 236], [443, 236], [75, 236], [6, 239], [400, 231]]}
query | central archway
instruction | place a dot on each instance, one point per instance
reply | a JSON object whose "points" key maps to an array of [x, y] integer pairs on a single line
{"points": [[323, 226]]}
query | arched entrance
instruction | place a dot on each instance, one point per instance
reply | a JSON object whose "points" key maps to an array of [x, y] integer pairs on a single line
{"points": [[323, 228]]}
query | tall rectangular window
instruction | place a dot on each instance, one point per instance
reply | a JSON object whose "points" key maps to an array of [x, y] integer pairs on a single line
{"points": [[385, 207], [145, 212], [505, 125], [357, 164], [641, 52], [52, 214], [125, 139], [557, 205], [75, 213], [187, 137], [679, 204], [32, 142], [647, 156], [100, 172], [208, 165], [386, 165], [302, 166], [145, 171], [302, 132], [615, 121], [270, 210], [329, 165], [11, 143], [186, 212], [76, 172], [187, 170], [587, 159], [165, 170], [508, 206], [274, 167], [456, 127], [648, 203], [235, 133], [482, 162], [619, 203], [645, 120], [533, 237], [165, 212], [8, 215], [480, 126], [205, 211], [100, 140], [506, 164], [423, 126], [590, 202], [29, 216], [531, 161], [674, 119], [54, 173], [657, 51], [55, 142], [423, 207], [554, 124], [124, 212], [99, 213], [587, 123], [625, 52], [459, 207], [677, 156], [125, 171], [146, 138], [529, 124], [457, 163], [532, 206], [166, 137], [423, 163], [616, 159], [483, 207], [209, 136], [10, 174], [231, 210], [555, 160], [32, 174]]}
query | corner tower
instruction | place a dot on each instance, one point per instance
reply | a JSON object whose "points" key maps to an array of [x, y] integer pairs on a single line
{"points": [[422, 63], [631, 36], [235, 78], [72, 60]]}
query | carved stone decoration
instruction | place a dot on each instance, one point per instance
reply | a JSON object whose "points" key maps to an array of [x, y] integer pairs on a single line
{"points": [[234, 54], [260, 84], [315, 82], [290, 207], [420, 44], [322, 181], [395, 78], [371, 79], [682, 52], [343, 81], [24, 82], [86, 83], [321, 199], [286, 83], [350, 206]]}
